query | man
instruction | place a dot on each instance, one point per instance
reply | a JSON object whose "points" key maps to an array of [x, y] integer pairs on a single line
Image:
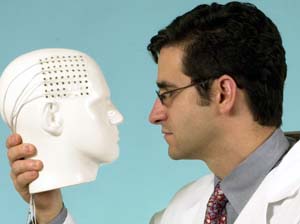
{"points": [[221, 72]]}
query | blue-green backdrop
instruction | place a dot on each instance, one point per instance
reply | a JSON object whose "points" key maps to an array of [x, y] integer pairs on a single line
{"points": [[116, 34]]}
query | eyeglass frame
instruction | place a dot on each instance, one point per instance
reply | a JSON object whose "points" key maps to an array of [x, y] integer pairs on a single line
{"points": [[162, 96]]}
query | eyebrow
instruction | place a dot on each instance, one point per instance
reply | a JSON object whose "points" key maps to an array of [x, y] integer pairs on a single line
{"points": [[165, 85]]}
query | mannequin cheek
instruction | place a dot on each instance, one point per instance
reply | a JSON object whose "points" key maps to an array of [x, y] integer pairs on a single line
{"points": [[95, 137], [99, 143]]}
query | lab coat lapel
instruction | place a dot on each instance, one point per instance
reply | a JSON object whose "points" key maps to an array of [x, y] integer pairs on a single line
{"points": [[282, 182], [189, 204]]}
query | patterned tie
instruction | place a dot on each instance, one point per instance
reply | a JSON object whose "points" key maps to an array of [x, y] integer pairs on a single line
{"points": [[215, 211]]}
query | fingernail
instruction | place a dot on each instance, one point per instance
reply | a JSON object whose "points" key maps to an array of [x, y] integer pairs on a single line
{"points": [[28, 148], [15, 139], [36, 164]]}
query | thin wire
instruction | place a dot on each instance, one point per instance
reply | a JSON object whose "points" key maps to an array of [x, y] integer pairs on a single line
{"points": [[24, 89], [31, 219], [15, 117], [5, 95], [21, 95], [25, 100]]}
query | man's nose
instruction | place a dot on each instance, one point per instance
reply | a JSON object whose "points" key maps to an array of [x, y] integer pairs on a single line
{"points": [[158, 113]]}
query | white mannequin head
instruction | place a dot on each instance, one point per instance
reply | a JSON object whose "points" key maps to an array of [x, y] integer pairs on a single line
{"points": [[58, 100]]}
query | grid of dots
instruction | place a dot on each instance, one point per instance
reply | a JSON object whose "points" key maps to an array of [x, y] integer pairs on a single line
{"points": [[64, 76]]}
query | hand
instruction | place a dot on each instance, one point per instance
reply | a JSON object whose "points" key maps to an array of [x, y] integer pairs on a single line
{"points": [[25, 170]]}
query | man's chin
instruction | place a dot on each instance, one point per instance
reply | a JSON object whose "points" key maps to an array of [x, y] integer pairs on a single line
{"points": [[173, 154]]}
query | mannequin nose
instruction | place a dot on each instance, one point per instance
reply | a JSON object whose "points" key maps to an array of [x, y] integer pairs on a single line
{"points": [[115, 117], [158, 113]]}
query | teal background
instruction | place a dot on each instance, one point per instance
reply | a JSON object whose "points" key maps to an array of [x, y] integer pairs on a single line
{"points": [[116, 33]]}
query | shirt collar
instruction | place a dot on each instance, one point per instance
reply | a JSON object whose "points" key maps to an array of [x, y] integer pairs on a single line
{"points": [[243, 181]]}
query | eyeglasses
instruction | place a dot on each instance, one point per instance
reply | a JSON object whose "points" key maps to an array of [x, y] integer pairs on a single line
{"points": [[166, 97]]}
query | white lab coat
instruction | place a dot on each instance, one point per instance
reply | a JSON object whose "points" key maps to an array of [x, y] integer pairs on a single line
{"points": [[276, 201]]}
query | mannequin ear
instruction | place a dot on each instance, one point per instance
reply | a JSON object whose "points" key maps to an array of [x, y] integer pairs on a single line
{"points": [[52, 121]]}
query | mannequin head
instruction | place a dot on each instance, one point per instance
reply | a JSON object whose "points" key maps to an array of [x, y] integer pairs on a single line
{"points": [[58, 100]]}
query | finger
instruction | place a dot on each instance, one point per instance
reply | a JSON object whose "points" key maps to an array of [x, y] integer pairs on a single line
{"points": [[22, 166], [24, 191], [22, 181], [13, 140], [20, 152]]}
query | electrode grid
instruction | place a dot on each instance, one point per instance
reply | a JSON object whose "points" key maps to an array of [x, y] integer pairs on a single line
{"points": [[64, 76]]}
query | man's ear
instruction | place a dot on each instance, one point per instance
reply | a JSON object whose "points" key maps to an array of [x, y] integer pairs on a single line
{"points": [[227, 88], [52, 121]]}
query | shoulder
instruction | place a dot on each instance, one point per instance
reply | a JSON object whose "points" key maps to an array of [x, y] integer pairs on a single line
{"points": [[201, 185], [187, 196]]}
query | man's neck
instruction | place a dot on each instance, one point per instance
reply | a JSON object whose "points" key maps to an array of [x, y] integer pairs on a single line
{"points": [[238, 147]]}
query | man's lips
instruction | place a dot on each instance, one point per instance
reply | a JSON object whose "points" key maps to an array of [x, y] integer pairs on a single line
{"points": [[165, 132]]}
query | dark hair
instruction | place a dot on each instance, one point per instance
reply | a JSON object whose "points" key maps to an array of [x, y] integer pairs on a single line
{"points": [[235, 39]]}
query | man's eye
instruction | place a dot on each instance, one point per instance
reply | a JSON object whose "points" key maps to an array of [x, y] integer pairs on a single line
{"points": [[169, 94], [163, 96]]}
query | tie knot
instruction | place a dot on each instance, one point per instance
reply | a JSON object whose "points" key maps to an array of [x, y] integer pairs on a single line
{"points": [[218, 195], [216, 212]]}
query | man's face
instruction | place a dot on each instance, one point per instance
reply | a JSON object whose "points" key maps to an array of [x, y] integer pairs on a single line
{"points": [[187, 126]]}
